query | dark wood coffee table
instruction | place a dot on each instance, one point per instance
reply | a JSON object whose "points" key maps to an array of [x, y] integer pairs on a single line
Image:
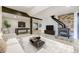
{"points": [[37, 42]]}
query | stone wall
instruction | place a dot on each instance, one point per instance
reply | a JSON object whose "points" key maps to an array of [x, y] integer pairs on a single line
{"points": [[68, 20]]}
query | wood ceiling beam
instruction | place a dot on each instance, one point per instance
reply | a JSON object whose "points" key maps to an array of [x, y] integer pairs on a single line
{"points": [[16, 12]]}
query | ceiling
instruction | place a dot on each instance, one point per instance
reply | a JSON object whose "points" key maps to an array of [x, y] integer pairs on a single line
{"points": [[21, 8], [31, 10], [45, 10], [57, 10]]}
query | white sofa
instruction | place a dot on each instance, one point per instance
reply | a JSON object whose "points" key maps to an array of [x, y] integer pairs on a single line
{"points": [[13, 46]]}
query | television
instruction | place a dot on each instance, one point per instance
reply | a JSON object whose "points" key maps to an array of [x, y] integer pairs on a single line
{"points": [[49, 27], [21, 24]]}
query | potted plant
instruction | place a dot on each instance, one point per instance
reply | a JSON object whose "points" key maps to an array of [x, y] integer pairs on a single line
{"points": [[6, 25]]}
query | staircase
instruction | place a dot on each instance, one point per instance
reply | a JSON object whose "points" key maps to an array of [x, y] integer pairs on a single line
{"points": [[63, 30]]}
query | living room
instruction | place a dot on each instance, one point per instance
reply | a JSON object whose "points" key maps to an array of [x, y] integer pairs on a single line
{"points": [[46, 22]]}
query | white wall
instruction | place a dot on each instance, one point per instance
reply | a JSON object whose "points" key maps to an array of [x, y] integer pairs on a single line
{"points": [[14, 23], [75, 25], [78, 25], [0, 22], [37, 21], [47, 20]]}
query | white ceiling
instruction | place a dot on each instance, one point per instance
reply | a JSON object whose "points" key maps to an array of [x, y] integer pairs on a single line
{"points": [[45, 10], [31, 10], [21, 8], [56, 10]]}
